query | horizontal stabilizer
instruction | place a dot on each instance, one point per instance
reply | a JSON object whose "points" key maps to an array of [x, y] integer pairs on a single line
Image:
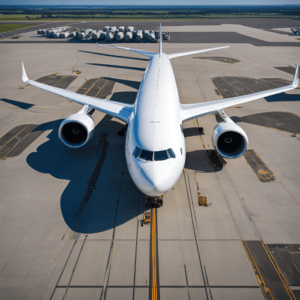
{"points": [[149, 54], [174, 55]]}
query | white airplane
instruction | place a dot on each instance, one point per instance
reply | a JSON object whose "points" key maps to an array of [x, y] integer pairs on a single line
{"points": [[155, 146]]}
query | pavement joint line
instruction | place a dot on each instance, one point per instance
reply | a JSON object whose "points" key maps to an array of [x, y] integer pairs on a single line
{"points": [[289, 192], [89, 191], [39, 250], [29, 226], [257, 231], [189, 195], [221, 188], [73, 271], [108, 266], [57, 286]]}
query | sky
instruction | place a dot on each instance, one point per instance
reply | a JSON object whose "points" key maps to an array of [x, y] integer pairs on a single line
{"points": [[149, 2]]}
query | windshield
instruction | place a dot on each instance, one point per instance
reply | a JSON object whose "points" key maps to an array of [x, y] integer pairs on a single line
{"points": [[153, 155]]}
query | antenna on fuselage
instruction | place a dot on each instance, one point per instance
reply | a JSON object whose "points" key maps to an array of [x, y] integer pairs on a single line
{"points": [[160, 41]]}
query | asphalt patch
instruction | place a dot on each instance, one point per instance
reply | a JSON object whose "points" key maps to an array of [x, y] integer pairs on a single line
{"points": [[258, 166], [264, 264], [226, 60], [18, 139], [58, 81], [287, 257], [232, 86], [284, 121], [97, 87]]}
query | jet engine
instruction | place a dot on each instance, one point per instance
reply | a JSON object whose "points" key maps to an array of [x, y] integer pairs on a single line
{"points": [[229, 140], [77, 129]]}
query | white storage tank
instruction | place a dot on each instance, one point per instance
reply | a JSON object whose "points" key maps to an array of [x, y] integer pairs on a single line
{"points": [[81, 35], [128, 36], [56, 35], [96, 36], [152, 37], [139, 35], [110, 36], [122, 28], [113, 28], [120, 36], [130, 29], [103, 35], [146, 34], [106, 28]]}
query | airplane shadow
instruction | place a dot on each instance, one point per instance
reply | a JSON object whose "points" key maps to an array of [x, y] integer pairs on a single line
{"points": [[198, 160], [114, 201], [125, 97], [117, 66], [115, 56], [130, 83], [19, 104], [277, 120], [283, 97]]}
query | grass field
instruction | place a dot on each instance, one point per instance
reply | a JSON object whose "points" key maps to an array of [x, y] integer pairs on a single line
{"points": [[9, 27]]}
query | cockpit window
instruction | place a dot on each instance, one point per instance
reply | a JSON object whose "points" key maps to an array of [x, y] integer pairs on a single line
{"points": [[161, 155], [137, 152], [171, 153], [150, 155], [146, 155]]}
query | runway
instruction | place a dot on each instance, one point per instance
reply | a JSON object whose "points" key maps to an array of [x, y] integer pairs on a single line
{"points": [[70, 219]]}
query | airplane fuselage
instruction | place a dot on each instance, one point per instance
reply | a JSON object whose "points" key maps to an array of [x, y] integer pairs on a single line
{"points": [[155, 126]]}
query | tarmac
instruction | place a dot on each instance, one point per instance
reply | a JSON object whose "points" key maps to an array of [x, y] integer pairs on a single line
{"points": [[70, 219]]}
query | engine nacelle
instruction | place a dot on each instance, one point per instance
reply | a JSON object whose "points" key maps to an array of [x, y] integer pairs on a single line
{"points": [[229, 140], [76, 130]]}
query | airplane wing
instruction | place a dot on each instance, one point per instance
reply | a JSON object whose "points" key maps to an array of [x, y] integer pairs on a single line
{"points": [[119, 110], [173, 55], [192, 111], [149, 54]]}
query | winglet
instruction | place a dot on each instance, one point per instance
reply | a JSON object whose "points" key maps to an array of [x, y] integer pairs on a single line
{"points": [[24, 76], [160, 41], [296, 77]]}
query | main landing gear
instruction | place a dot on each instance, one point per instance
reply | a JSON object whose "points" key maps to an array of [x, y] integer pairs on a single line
{"points": [[154, 201]]}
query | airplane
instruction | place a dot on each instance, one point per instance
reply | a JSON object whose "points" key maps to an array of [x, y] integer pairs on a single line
{"points": [[155, 146]]}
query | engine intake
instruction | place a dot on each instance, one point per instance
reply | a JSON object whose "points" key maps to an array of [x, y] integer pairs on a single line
{"points": [[76, 130], [229, 140]]}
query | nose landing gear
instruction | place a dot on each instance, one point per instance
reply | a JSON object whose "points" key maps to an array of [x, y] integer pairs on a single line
{"points": [[154, 201]]}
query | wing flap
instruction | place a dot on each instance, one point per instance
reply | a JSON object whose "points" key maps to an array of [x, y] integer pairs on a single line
{"points": [[119, 110], [192, 111], [149, 54]]}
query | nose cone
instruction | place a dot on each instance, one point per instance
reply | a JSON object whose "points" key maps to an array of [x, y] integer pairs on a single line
{"points": [[156, 181]]}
